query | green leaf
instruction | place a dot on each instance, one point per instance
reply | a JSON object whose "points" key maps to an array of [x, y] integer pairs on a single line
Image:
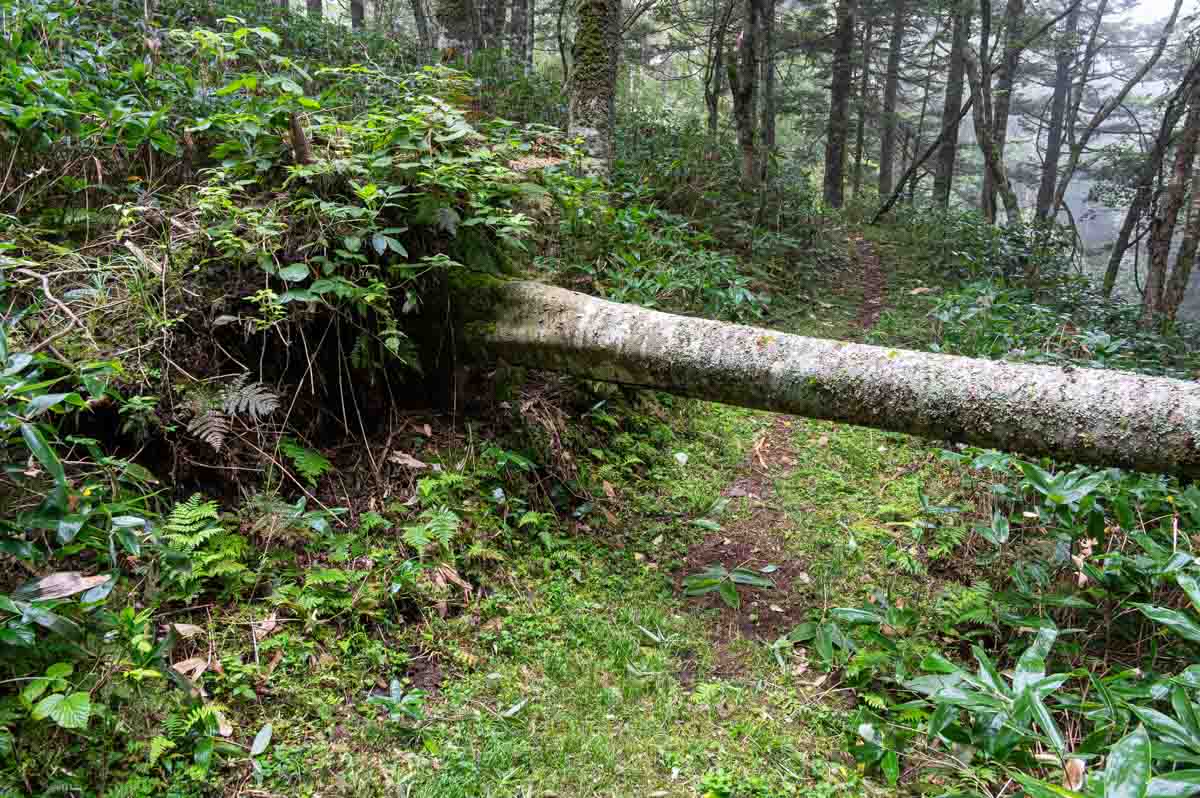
{"points": [[997, 533], [68, 711], [891, 767], [1127, 772], [1177, 622], [44, 454], [1177, 784], [1045, 722], [1185, 711], [943, 716], [1037, 477], [851, 615], [1189, 585], [745, 577], [1031, 667], [261, 740], [729, 594], [294, 273], [1166, 727]]}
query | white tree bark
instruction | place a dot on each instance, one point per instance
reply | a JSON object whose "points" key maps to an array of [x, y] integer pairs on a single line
{"points": [[1079, 415]]}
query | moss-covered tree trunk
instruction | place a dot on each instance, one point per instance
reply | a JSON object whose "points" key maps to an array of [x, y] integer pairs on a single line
{"points": [[1079, 415], [743, 88], [595, 55]]}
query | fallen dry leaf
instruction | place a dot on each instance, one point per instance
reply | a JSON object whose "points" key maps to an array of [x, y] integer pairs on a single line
{"points": [[1073, 774], [191, 668], [406, 460], [264, 627], [188, 630]]}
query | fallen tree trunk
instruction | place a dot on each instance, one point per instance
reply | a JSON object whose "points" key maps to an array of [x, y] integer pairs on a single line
{"points": [[1078, 415]]}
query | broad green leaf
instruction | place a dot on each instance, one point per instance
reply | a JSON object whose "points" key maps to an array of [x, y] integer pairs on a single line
{"points": [[68, 711], [1037, 477], [851, 615], [1177, 622], [988, 673], [938, 664], [59, 670], [261, 740], [1045, 722], [745, 577], [1185, 711], [1189, 585], [44, 454], [1177, 784], [943, 716], [294, 273], [728, 592], [1031, 667], [891, 767], [998, 532], [1127, 772], [1166, 727], [1036, 788]]}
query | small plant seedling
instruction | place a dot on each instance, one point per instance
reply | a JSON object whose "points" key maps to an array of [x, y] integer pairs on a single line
{"points": [[725, 583]]}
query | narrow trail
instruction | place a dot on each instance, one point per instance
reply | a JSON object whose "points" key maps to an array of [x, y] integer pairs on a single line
{"points": [[874, 283]]}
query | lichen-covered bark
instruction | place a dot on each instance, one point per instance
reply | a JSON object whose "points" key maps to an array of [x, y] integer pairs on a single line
{"points": [[838, 126], [594, 57], [1080, 415], [943, 177]]}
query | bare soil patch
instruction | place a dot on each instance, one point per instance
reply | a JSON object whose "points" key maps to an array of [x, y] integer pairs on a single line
{"points": [[753, 542], [874, 284]]}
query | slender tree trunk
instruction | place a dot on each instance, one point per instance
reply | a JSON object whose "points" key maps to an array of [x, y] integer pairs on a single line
{"points": [[1014, 13], [943, 177], [1080, 415], [993, 162], [530, 29], [357, 14], [1162, 228], [1182, 272], [595, 56], [1114, 101], [314, 9], [839, 106], [767, 125], [743, 85], [424, 28], [1147, 173], [864, 85], [517, 35], [1064, 58], [714, 83], [891, 91]]}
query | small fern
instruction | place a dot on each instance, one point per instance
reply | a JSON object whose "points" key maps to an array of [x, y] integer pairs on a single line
{"points": [[438, 525], [212, 415], [192, 523], [253, 399], [210, 426], [311, 465], [158, 747]]}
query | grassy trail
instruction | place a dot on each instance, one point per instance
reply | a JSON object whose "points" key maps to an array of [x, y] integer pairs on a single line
{"points": [[585, 671]]}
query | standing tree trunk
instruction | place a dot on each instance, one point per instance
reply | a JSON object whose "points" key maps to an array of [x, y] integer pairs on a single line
{"points": [[1182, 273], [1080, 415], [743, 85], [1064, 58], [1162, 228], [1110, 105], [984, 127], [943, 177], [517, 35], [1147, 172], [424, 28], [768, 81], [357, 14], [839, 106], [864, 88], [594, 55], [1006, 71], [314, 9], [891, 90], [714, 74]]}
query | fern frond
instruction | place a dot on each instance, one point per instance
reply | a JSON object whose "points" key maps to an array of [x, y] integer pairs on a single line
{"points": [[253, 399], [158, 747], [311, 465], [210, 426]]}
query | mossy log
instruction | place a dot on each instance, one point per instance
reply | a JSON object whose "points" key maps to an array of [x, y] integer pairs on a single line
{"points": [[1072, 414]]}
